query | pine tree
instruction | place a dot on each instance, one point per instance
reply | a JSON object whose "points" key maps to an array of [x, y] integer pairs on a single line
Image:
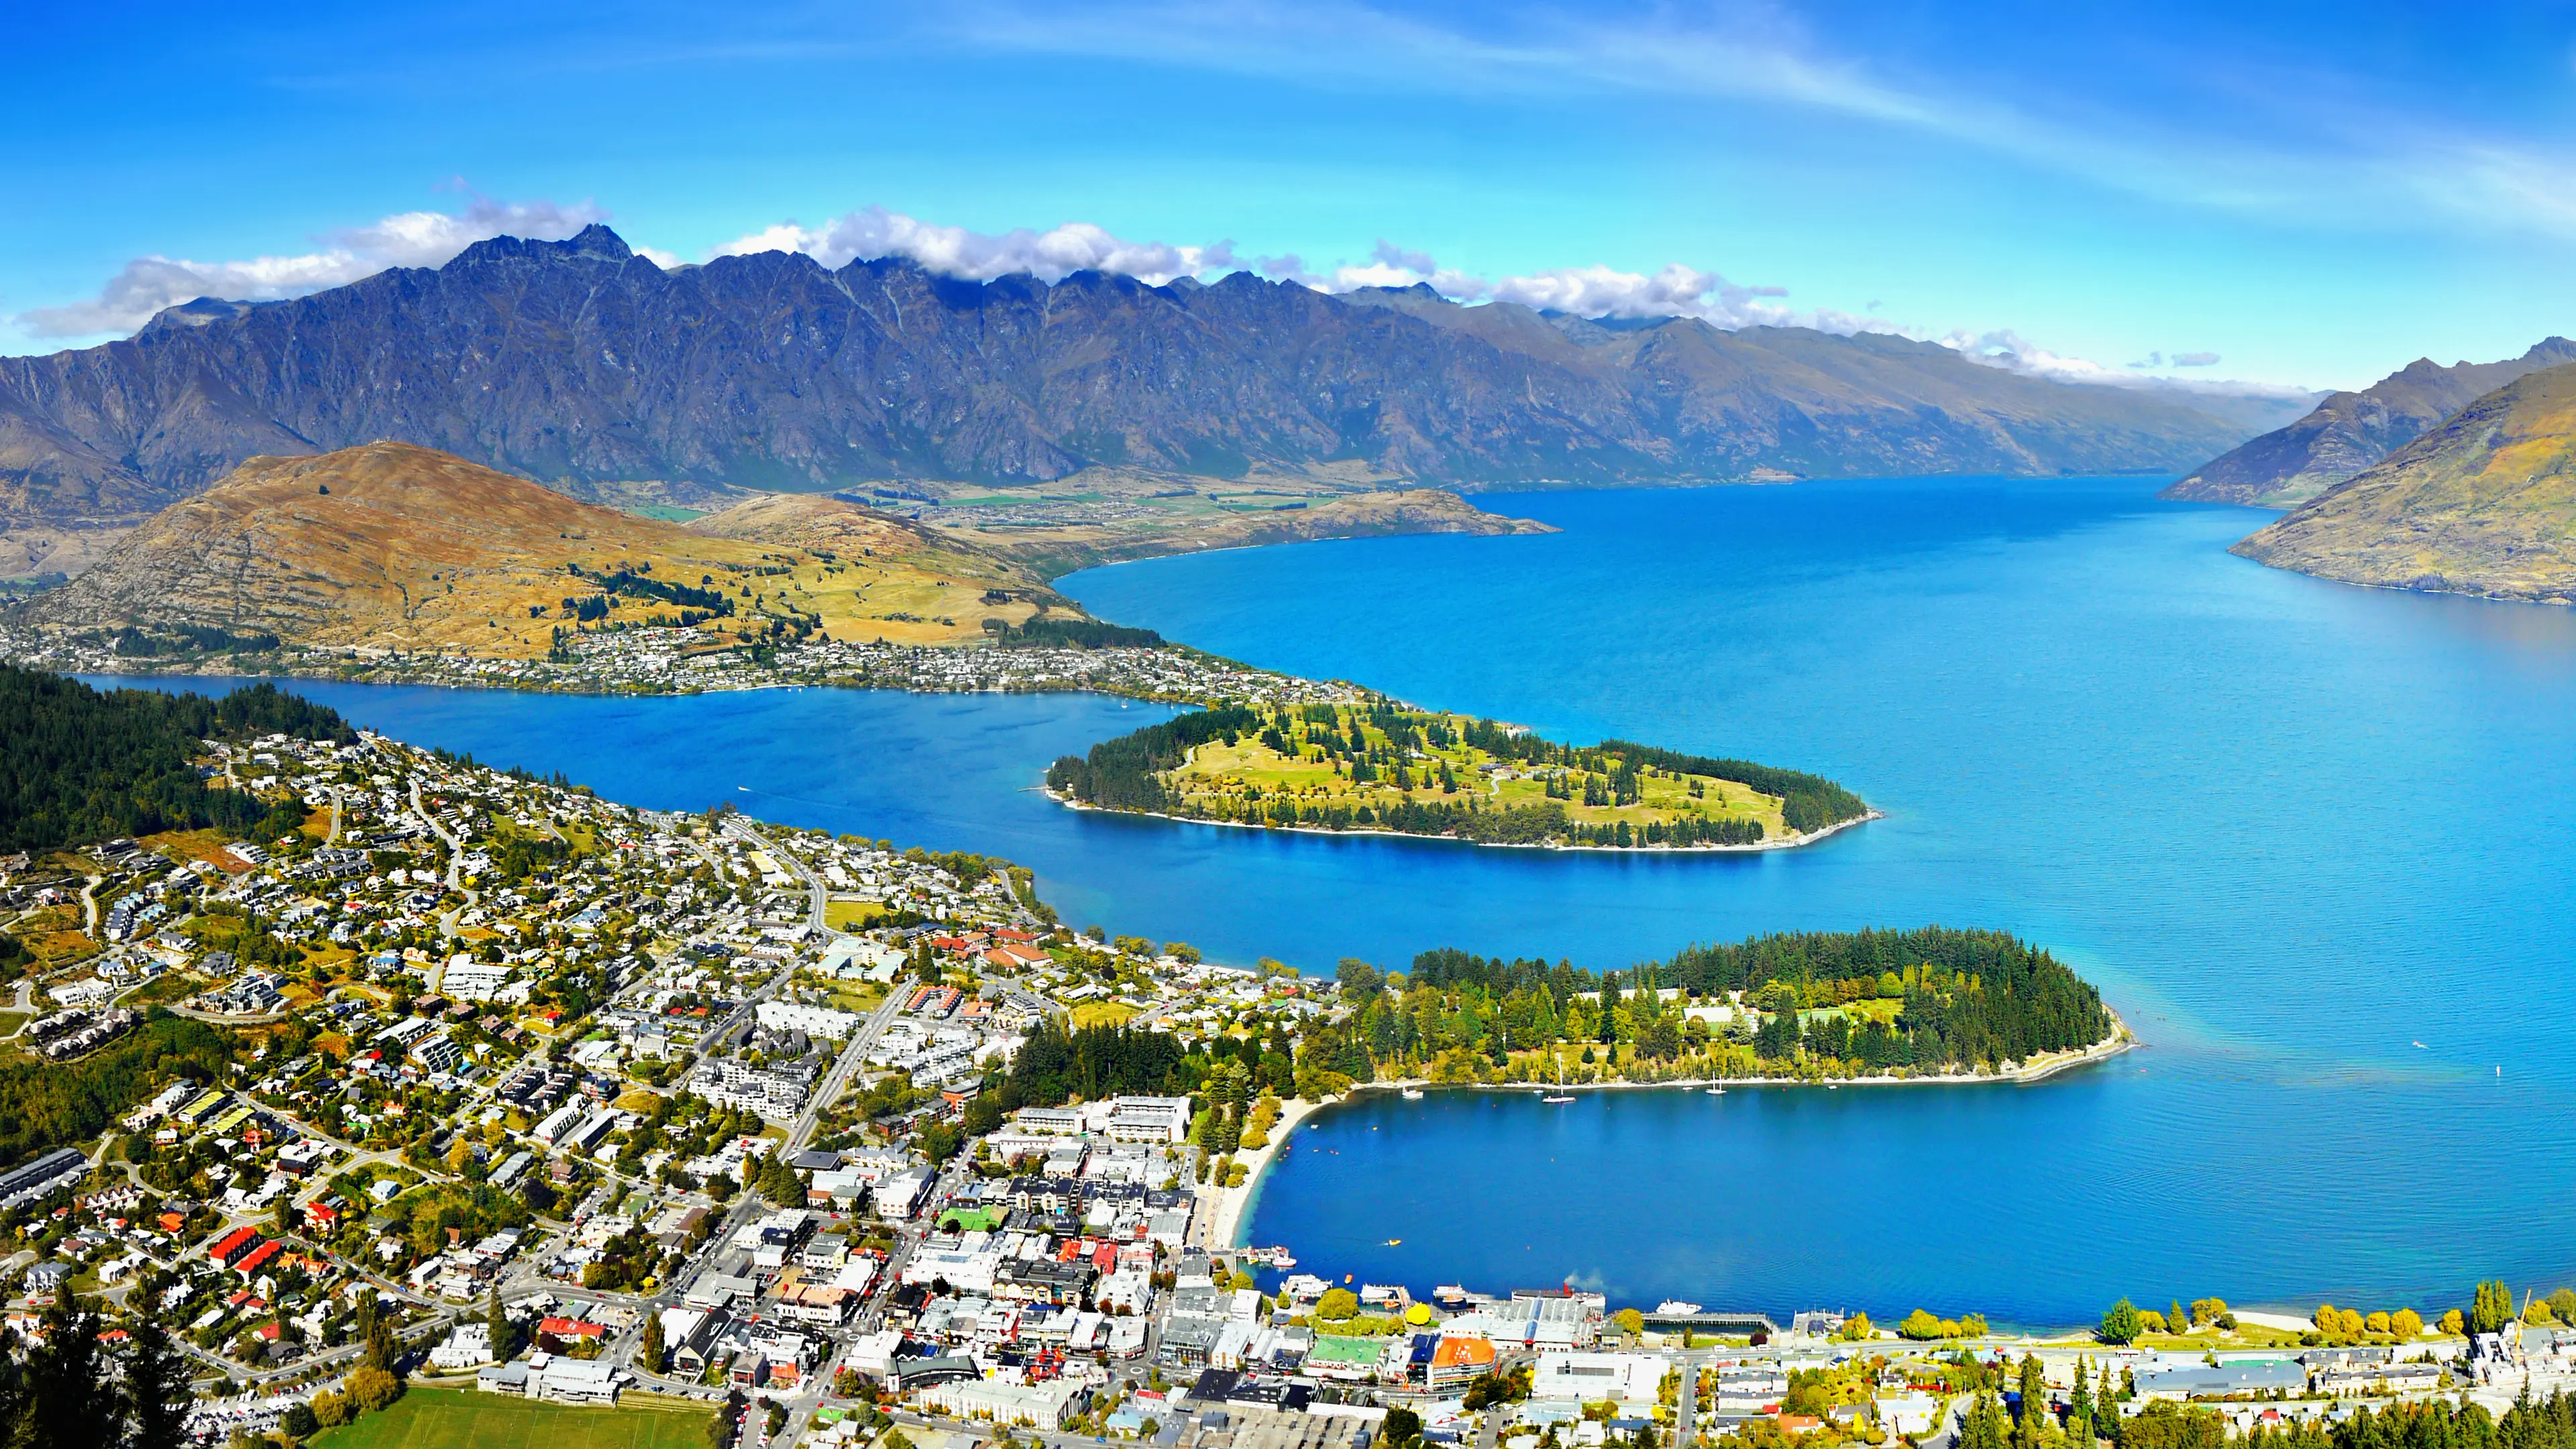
{"points": [[2031, 1431], [156, 1389], [69, 1403], [1985, 1427], [497, 1326], [648, 1352]]}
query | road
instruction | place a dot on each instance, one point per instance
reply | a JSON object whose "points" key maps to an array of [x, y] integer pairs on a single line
{"points": [[455, 880]]}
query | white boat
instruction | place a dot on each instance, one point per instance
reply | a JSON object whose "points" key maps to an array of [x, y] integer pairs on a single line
{"points": [[1717, 1091], [1558, 1098], [1412, 1094], [1676, 1306]]}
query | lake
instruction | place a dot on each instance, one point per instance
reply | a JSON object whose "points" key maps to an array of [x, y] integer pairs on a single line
{"points": [[2312, 840]]}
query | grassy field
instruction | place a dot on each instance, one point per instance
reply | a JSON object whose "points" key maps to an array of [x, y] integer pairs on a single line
{"points": [[1433, 763], [464, 1419], [1102, 1013], [851, 915]]}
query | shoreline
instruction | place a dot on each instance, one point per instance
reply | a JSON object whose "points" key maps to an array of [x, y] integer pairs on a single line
{"points": [[2121, 1041], [1786, 842], [1233, 1211]]}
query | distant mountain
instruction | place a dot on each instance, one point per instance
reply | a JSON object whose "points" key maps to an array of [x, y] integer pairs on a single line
{"points": [[579, 363], [2350, 431], [392, 546], [2485, 504]]}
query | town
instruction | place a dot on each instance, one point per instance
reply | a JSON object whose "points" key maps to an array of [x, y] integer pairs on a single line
{"points": [[663, 660], [465, 1088]]}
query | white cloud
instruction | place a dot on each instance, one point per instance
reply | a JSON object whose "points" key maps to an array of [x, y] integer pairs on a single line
{"points": [[407, 239], [953, 251], [2195, 359]]}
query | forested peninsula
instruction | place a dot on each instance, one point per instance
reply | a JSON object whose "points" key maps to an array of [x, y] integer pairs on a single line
{"points": [[78, 765], [1380, 766], [1805, 1006]]}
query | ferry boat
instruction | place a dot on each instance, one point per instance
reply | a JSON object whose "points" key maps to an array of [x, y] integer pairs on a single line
{"points": [[1675, 1307]]}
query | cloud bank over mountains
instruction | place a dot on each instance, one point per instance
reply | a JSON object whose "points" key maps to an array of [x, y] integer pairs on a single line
{"points": [[148, 284], [408, 239]]}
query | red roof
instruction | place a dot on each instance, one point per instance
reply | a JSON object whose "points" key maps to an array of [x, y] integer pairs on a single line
{"points": [[1462, 1353], [257, 1256], [569, 1328], [236, 1241]]}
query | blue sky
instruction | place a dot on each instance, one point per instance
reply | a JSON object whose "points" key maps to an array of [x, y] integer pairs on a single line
{"points": [[2310, 194]]}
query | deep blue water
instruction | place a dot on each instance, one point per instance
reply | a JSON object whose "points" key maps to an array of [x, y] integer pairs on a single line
{"points": [[2293, 828]]}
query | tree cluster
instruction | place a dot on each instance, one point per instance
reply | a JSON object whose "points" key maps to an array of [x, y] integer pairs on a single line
{"points": [[78, 765]]}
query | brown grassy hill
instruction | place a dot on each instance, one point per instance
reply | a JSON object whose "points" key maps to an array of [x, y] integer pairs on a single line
{"points": [[2350, 431], [395, 546], [2483, 504]]}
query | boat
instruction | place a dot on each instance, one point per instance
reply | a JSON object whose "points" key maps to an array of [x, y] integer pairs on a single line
{"points": [[1412, 1094], [1675, 1306], [1717, 1091], [1558, 1098], [1395, 1242]]}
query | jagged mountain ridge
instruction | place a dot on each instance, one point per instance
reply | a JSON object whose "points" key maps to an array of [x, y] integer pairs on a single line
{"points": [[2484, 503], [581, 361], [2352, 431]]}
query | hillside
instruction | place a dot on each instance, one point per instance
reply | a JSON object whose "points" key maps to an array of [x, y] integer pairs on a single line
{"points": [[2483, 504], [2350, 431], [78, 766], [585, 365], [391, 546]]}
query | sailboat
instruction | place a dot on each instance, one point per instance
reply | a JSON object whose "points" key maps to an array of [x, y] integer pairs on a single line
{"points": [[1717, 1091], [1560, 1096]]}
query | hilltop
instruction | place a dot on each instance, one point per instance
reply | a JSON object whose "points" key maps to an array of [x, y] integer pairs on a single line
{"points": [[2483, 504], [2351, 431], [395, 547], [591, 368]]}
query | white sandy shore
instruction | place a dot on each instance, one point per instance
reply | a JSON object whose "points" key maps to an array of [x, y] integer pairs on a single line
{"points": [[1234, 1204]]}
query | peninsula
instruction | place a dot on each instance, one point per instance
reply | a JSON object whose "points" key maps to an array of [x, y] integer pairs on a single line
{"points": [[1375, 765]]}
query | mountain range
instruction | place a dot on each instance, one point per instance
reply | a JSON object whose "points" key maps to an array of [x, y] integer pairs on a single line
{"points": [[2484, 503], [2351, 431], [584, 365]]}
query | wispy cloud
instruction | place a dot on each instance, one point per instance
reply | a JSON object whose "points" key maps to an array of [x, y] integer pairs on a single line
{"points": [[408, 239], [2308, 152]]}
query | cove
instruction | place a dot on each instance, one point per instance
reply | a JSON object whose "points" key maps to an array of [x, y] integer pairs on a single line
{"points": [[2313, 841], [2293, 829]]}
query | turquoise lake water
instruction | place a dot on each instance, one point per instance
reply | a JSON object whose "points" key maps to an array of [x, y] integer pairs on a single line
{"points": [[2313, 841]]}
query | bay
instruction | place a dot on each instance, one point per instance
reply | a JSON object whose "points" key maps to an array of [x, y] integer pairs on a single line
{"points": [[2312, 840]]}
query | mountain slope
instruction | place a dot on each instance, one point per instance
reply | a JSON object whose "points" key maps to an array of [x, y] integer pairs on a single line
{"points": [[2483, 504], [2350, 431], [391, 546], [581, 363]]}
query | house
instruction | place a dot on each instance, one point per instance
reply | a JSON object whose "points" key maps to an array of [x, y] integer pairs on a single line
{"points": [[468, 1345]]}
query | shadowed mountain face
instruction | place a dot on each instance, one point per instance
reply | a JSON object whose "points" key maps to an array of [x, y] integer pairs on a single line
{"points": [[2350, 431], [580, 362], [2485, 503]]}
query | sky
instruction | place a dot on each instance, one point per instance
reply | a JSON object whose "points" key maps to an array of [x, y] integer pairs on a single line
{"points": [[2291, 195]]}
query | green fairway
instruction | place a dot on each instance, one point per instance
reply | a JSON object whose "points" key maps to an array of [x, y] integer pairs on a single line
{"points": [[464, 1419]]}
